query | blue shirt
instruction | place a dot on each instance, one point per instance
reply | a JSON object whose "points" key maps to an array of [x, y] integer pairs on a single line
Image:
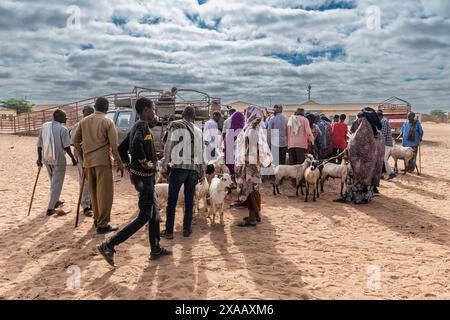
{"points": [[279, 121], [418, 135]]}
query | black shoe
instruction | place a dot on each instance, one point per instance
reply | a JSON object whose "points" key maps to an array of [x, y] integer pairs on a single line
{"points": [[187, 233], [87, 212], [107, 252], [340, 200], [392, 176], [247, 223], [160, 253], [258, 219], [166, 235], [51, 212], [109, 228]]}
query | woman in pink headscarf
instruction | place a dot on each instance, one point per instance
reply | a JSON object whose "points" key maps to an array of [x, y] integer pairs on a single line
{"points": [[252, 153], [237, 124]]}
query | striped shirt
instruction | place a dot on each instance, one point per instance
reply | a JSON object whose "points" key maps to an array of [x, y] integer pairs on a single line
{"points": [[387, 133]]}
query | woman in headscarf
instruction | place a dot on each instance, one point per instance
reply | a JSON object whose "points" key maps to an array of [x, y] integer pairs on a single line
{"points": [[237, 124], [314, 148], [252, 153], [366, 156], [327, 149]]}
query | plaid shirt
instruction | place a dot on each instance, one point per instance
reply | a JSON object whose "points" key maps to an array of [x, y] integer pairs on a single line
{"points": [[386, 130]]}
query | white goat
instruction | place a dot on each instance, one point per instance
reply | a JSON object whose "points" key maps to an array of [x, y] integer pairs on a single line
{"points": [[294, 172], [335, 171], [312, 177], [217, 193], [405, 153], [201, 190], [159, 177]]}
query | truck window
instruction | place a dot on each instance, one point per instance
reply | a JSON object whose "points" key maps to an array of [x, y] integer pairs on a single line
{"points": [[124, 119], [111, 114]]}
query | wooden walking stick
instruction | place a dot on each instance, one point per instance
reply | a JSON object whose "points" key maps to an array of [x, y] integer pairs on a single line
{"points": [[420, 157], [34, 190], [79, 198]]}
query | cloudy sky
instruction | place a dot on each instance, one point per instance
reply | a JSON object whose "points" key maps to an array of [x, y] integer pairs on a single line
{"points": [[259, 51]]}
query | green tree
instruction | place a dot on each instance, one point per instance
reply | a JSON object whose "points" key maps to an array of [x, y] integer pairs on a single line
{"points": [[439, 115], [21, 105]]}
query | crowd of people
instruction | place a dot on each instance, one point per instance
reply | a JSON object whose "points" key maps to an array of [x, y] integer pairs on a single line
{"points": [[249, 141]]}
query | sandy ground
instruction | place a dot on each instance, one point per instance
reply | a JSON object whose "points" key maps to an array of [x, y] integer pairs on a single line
{"points": [[398, 247]]}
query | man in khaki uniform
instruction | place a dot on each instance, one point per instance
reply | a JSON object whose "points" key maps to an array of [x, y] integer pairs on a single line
{"points": [[95, 139]]}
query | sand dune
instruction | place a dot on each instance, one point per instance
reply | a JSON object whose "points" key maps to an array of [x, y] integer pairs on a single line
{"points": [[314, 250]]}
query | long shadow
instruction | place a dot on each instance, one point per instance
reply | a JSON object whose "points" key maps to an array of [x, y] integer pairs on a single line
{"points": [[430, 143], [54, 241], [420, 191], [220, 241], [275, 276], [430, 178], [409, 220]]}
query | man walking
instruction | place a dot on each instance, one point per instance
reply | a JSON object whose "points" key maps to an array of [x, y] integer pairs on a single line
{"points": [[183, 155], [95, 139], [389, 143], [140, 145], [299, 137], [53, 143], [277, 128], [85, 201], [412, 133]]}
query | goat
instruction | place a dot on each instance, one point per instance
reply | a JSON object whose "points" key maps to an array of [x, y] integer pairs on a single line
{"points": [[312, 177], [334, 171], [405, 153], [295, 172], [201, 190], [217, 193]]}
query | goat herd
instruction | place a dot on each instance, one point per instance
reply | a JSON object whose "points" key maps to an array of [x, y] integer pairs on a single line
{"points": [[311, 173]]}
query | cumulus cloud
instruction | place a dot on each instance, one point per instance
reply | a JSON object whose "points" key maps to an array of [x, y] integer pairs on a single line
{"points": [[255, 50]]}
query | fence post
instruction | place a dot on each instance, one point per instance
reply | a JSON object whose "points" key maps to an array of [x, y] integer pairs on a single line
{"points": [[15, 124]]}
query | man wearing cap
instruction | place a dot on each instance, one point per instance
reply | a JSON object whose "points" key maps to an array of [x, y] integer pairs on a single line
{"points": [[183, 155], [412, 133], [389, 143]]}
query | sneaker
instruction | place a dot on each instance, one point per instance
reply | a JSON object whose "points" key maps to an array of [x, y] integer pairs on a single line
{"points": [[392, 176], [109, 228], [187, 233], [87, 212], [166, 235], [107, 252], [160, 253], [51, 212]]}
